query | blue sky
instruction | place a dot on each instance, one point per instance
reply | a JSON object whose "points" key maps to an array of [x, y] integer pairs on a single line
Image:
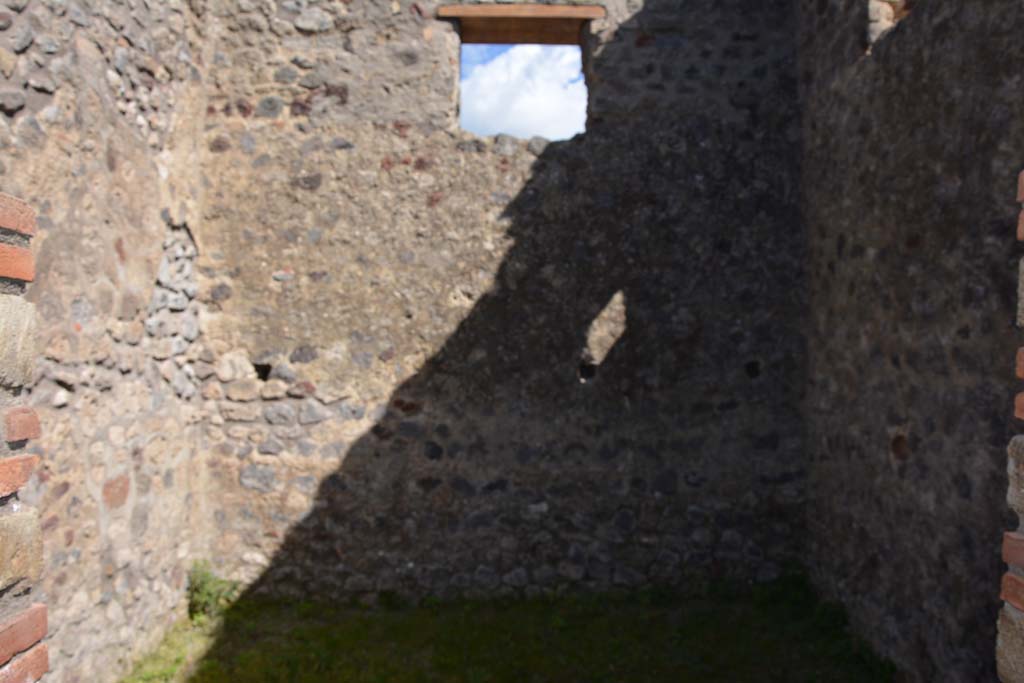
{"points": [[523, 90]]}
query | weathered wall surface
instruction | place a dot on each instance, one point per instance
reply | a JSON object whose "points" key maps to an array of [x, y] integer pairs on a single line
{"points": [[23, 618], [401, 312], [285, 306], [88, 135], [910, 155]]}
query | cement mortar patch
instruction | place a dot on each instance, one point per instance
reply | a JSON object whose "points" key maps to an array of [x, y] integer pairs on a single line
{"points": [[21, 549], [17, 341]]}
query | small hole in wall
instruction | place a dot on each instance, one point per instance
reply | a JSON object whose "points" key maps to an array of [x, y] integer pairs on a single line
{"points": [[900, 448], [753, 369], [587, 371], [523, 90], [262, 370]]}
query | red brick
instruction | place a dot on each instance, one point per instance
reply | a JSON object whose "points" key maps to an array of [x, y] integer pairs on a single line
{"points": [[27, 668], [22, 632], [17, 215], [115, 491], [1020, 226], [21, 424], [14, 472], [17, 263], [1013, 549], [1013, 590], [1020, 363]]}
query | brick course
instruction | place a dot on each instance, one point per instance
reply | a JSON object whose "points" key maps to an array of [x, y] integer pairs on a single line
{"points": [[14, 472], [21, 424], [28, 667], [17, 263], [21, 632], [17, 215]]}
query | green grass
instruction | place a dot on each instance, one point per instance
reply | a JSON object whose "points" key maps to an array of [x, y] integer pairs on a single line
{"points": [[777, 633]]}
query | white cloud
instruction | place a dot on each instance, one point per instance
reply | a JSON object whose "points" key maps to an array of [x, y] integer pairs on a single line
{"points": [[527, 90]]}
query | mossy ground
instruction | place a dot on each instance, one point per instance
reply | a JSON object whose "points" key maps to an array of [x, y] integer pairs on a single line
{"points": [[776, 633]]}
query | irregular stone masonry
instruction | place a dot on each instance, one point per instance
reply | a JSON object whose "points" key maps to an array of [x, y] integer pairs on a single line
{"points": [[138, 457], [295, 323], [22, 656]]}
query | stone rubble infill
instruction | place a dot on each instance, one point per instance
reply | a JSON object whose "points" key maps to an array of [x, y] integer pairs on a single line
{"points": [[172, 324]]}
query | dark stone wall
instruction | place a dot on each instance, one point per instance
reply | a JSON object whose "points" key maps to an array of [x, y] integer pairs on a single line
{"points": [[910, 158]]}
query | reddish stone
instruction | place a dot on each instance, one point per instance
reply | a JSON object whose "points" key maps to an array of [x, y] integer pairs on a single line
{"points": [[1020, 363], [1013, 549], [1020, 187], [1013, 590], [14, 472], [17, 215], [27, 668], [21, 424], [21, 632], [17, 263], [115, 491], [1018, 406], [1020, 226]]}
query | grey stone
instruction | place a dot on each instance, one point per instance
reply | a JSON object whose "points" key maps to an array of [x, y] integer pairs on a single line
{"points": [[350, 410], [258, 478], [269, 107], [182, 385], [314, 20], [517, 578], [22, 38], [285, 75], [303, 354], [283, 372], [505, 145], [48, 44], [279, 414], [313, 80], [42, 83], [270, 447], [11, 101], [312, 412], [78, 16]]}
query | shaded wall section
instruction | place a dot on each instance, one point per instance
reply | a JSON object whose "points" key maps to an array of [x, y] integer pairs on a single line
{"points": [[456, 366], [910, 156]]}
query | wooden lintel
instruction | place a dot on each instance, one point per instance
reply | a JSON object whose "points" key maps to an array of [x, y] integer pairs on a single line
{"points": [[513, 31], [521, 11]]}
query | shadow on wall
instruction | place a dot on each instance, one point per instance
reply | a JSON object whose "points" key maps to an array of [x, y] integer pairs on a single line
{"points": [[514, 463]]}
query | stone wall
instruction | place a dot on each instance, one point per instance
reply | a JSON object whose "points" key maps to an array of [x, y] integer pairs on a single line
{"points": [[97, 133], [404, 398], [909, 158], [293, 321], [23, 619]]}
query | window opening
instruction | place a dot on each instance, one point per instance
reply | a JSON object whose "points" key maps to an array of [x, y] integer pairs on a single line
{"points": [[522, 68]]}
